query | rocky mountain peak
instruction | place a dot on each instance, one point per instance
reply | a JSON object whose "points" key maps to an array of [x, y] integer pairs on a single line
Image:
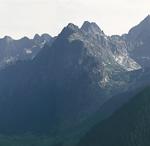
{"points": [[72, 27], [46, 37], [91, 28], [41, 38], [147, 20], [140, 31], [145, 24], [99, 46], [68, 30], [8, 39], [37, 37], [138, 40]]}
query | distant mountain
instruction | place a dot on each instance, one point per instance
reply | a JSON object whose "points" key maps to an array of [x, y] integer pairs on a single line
{"points": [[129, 126], [64, 81], [138, 40], [23, 49]]}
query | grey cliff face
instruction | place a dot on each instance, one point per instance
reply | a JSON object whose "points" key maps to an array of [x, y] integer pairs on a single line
{"points": [[138, 40], [111, 53]]}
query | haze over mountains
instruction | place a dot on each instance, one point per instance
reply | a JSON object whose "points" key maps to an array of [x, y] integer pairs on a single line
{"points": [[23, 49], [55, 86]]}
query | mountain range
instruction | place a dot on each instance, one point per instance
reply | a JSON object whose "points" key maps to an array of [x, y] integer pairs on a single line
{"points": [[63, 87], [12, 50]]}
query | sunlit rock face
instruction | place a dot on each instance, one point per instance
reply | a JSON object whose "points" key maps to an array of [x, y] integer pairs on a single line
{"points": [[110, 52]]}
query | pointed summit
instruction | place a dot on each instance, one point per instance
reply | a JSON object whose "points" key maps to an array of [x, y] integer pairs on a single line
{"points": [[46, 37], [147, 18], [141, 31], [68, 30], [36, 37], [87, 25], [7, 38], [72, 27], [91, 28], [146, 21]]}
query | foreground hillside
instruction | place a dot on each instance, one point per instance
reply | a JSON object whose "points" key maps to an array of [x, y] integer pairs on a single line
{"points": [[129, 126]]}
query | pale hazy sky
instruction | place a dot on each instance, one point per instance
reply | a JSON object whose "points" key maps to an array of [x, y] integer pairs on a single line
{"points": [[27, 17]]}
